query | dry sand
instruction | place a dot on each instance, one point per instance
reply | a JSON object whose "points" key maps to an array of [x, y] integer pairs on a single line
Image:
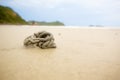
{"points": [[81, 54]]}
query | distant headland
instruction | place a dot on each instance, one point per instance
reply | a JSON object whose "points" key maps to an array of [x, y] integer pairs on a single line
{"points": [[9, 16]]}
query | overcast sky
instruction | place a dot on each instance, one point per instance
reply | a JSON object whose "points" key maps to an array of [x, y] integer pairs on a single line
{"points": [[70, 12]]}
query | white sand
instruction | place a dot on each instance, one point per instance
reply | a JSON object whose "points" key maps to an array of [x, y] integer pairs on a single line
{"points": [[81, 54]]}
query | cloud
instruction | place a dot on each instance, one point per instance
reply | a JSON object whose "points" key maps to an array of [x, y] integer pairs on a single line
{"points": [[107, 9], [47, 3], [93, 5]]}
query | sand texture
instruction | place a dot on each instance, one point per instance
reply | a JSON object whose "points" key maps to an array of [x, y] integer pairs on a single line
{"points": [[81, 54]]}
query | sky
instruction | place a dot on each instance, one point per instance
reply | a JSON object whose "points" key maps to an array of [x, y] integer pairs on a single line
{"points": [[70, 12]]}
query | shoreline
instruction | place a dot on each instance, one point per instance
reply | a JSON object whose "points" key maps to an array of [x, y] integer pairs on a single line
{"points": [[86, 27]]}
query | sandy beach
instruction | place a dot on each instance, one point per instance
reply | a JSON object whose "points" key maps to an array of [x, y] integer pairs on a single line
{"points": [[82, 54]]}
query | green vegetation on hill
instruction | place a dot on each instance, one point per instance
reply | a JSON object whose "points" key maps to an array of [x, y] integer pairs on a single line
{"points": [[8, 16], [55, 23]]}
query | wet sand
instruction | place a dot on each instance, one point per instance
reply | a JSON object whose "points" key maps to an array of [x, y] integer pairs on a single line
{"points": [[81, 54]]}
